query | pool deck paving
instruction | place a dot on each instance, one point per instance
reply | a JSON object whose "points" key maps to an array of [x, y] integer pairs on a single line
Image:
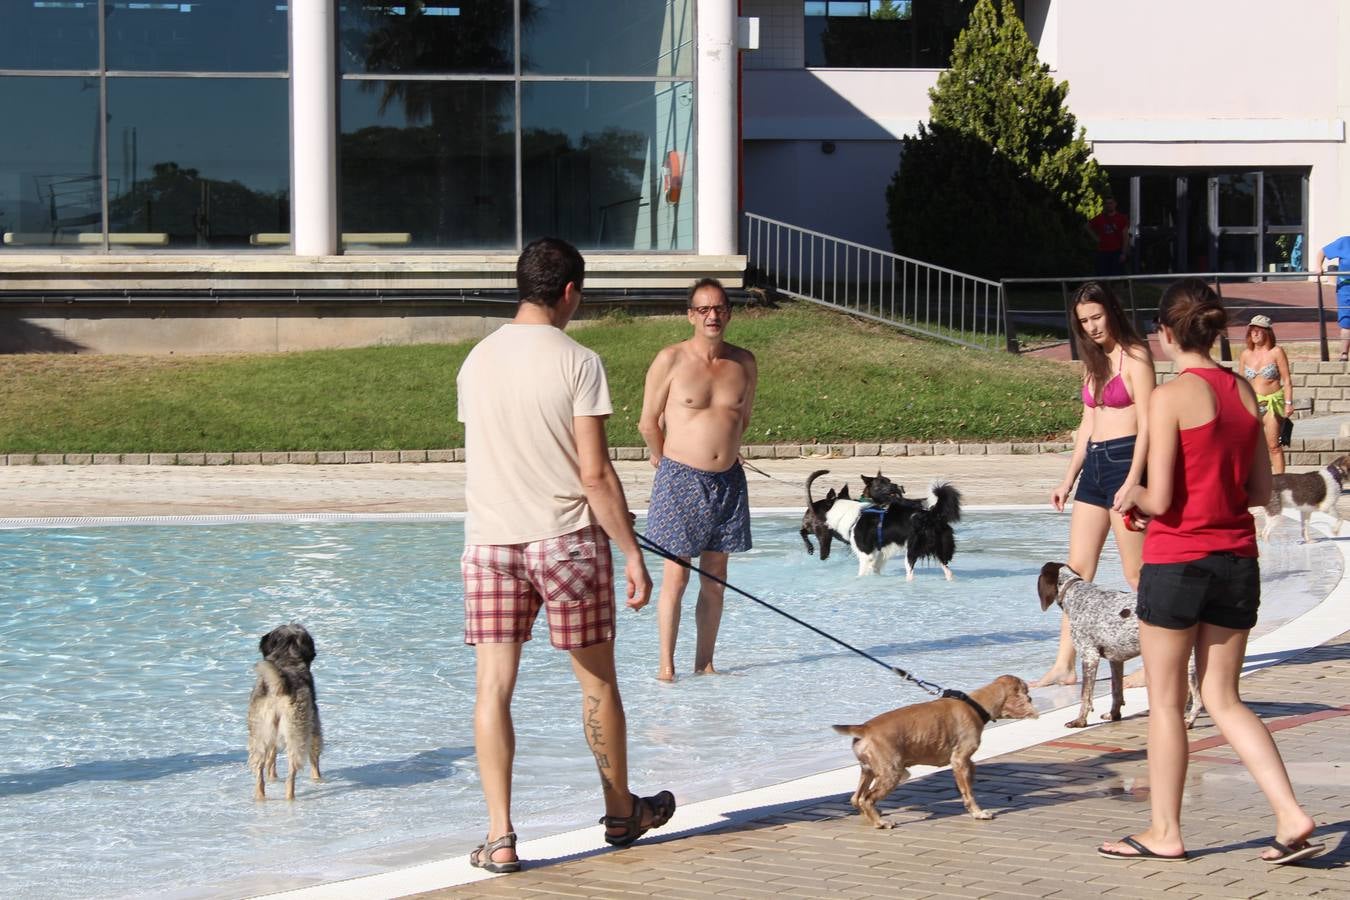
{"points": [[1057, 795], [1055, 802]]}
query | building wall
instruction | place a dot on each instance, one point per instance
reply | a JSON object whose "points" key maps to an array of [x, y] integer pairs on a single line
{"points": [[845, 195], [1156, 83]]}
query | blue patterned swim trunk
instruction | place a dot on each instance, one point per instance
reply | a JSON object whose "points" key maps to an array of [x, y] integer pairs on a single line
{"points": [[693, 510]]}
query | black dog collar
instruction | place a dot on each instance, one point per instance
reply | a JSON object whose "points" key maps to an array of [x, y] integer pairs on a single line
{"points": [[965, 698]]}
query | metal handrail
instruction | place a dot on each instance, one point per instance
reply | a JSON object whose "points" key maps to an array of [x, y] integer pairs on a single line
{"points": [[1063, 285], [918, 297]]}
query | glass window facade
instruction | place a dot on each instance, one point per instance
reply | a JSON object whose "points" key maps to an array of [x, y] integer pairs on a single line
{"points": [[597, 163], [883, 34], [427, 38], [462, 124], [1186, 220], [200, 36], [433, 159], [211, 175], [181, 142], [455, 135], [49, 35]]}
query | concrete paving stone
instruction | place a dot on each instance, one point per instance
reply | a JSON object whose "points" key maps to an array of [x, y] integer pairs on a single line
{"points": [[384, 456], [787, 451], [135, 459], [191, 459], [632, 453], [273, 458], [302, 458], [866, 449], [842, 451], [106, 459], [219, 459], [946, 449], [163, 459], [357, 457], [440, 456], [893, 450], [457, 454], [973, 449], [331, 457], [246, 459], [78, 459], [21, 459]]}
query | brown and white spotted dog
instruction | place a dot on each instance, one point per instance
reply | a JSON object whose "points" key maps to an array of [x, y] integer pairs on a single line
{"points": [[1308, 492]]}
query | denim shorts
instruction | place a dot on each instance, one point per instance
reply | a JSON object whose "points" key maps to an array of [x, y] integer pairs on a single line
{"points": [[1221, 589], [1104, 470]]}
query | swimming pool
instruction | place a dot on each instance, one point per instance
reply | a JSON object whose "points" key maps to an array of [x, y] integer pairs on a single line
{"points": [[126, 659]]}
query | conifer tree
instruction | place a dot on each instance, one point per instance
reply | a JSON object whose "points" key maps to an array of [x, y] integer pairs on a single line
{"points": [[1001, 179]]}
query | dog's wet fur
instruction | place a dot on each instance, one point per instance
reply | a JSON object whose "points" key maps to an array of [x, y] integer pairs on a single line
{"points": [[1103, 625], [1308, 492], [940, 732], [813, 520], [921, 531], [284, 708]]}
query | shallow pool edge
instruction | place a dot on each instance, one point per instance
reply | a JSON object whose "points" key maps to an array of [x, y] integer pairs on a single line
{"points": [[1313, 628]]}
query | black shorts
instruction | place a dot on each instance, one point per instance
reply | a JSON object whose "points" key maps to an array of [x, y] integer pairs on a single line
{"points": [[1220, 589], [1104, 470]]}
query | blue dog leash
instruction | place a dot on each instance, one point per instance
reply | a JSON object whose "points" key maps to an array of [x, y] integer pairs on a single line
{"points": [[927, 686]]}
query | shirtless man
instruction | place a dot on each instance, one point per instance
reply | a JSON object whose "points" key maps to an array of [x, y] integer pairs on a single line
{"points": [[695, 407]]}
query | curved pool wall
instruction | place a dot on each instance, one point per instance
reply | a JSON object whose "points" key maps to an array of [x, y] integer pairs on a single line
{"points": [[126, 658]]}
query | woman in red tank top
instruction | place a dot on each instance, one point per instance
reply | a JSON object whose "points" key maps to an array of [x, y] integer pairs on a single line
{"points": [[1200, 586]]}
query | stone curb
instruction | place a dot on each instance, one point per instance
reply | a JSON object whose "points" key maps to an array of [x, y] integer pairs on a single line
{"points": [[750, 451], [1301, 452]]}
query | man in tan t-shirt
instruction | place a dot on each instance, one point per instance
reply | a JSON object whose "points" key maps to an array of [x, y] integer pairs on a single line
{"points": [[695, 408], [543, 503]]}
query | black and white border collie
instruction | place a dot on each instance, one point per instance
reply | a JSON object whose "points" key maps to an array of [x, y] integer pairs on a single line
{"points": [[877, 533]]}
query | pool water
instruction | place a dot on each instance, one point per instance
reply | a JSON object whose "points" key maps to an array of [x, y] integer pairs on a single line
{"points": [[127, 653]]}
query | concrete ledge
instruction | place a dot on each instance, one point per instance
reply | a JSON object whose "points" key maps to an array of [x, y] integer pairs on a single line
{"points": [[1313, 448], [55, 272]]}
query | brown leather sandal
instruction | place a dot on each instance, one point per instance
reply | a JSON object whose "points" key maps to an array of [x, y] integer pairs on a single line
{"points": [[481, 857], [662, 807]]}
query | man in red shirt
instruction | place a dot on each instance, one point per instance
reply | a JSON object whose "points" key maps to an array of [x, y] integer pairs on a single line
{"points": [[1112, 231]]}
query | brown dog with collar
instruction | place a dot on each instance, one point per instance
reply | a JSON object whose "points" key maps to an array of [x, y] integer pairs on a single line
{"points": [[940, 732]]}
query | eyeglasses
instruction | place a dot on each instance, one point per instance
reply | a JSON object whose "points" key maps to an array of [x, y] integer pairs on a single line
{"points": [[705, 311]]}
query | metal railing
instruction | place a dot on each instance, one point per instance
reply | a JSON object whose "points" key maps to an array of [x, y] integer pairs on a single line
{"points": [[878, 285], [1038, 310]]}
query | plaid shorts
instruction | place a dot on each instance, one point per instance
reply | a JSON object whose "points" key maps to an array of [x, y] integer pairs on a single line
{"points": [[572, 575]]}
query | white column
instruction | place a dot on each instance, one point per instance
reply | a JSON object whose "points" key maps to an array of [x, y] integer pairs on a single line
{"points": [[313, 129], [715, 102]]}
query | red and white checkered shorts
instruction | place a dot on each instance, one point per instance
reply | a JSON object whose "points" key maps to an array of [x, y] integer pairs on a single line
{"points": [[572, 575]]}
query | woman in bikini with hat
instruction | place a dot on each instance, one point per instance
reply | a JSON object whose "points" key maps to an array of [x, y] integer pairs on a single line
{"points": [[1266, 366]]}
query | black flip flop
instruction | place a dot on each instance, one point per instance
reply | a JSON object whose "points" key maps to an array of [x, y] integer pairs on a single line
{"points": [[1141, 852], [1295, 852]]}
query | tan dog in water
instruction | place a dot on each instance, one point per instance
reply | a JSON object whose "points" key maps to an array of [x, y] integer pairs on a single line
{"points": [[940, 732]]}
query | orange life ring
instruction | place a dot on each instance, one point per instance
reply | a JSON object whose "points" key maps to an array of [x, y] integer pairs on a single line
{"points": [[673, 176]]}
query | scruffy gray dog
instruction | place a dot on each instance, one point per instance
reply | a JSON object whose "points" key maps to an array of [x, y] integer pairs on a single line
{"points": [[283, 709], [1104, 626]]}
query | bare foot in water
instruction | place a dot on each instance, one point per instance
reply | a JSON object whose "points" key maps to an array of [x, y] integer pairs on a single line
{"points": [[1056, 676], [666, 675], [707, 670]]}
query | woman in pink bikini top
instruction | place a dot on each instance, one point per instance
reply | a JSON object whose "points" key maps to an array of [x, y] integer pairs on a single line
{"points": [[1110, 446]]}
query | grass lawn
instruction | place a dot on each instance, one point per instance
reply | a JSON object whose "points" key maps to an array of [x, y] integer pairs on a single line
{"points": [[823, 377]]}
